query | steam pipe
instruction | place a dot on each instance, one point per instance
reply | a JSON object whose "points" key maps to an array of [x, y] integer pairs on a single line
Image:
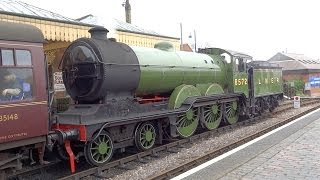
{"points": [[61, 136]]}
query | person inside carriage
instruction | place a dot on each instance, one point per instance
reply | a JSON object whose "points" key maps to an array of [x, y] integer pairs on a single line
{"points": [[11, 88]]}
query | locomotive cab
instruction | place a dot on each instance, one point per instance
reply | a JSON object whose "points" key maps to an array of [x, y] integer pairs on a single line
{"points": [[235, 68]]}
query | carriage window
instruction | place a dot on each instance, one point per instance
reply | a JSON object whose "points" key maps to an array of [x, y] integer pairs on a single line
{"points": [[23, 57], [7, 57], [15, 84]]}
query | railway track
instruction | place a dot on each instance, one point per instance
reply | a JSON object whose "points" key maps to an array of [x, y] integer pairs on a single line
{"points": [[97, 172], [212, 154]]}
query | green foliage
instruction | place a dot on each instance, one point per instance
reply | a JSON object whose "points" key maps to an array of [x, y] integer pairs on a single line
{"points": [[298, 84]]}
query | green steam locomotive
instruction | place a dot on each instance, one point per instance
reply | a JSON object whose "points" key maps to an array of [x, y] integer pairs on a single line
{"points": [[134, 96]]}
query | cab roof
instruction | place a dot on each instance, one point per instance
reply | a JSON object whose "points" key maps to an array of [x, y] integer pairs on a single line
{"points": [[20, 32], [232, 53]]}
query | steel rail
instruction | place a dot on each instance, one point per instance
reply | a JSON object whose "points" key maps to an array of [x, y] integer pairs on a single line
{"points": [[214, 153]]}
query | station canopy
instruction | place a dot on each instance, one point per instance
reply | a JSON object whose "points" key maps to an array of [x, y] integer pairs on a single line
{"points": [[54, 27]]}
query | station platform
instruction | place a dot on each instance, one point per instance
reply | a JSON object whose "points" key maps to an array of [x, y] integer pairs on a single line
{"points": [[289, 152]]}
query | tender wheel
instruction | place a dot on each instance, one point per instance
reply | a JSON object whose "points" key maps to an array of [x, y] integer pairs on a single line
{"points": [[187, 123], [100, 150], [258, 108], [212, 116], [271, 104], [231, 113], [145, 136], [265, 104], [274, 103]]}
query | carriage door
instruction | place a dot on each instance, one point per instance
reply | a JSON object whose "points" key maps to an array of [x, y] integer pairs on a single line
{"points": [[240, 76]]}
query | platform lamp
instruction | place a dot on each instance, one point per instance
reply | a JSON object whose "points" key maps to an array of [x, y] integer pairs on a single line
{"points": [[195, 40], [181, 43]]}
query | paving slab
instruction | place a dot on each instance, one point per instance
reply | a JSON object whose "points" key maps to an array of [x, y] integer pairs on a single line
{"points": [[290, 153]]}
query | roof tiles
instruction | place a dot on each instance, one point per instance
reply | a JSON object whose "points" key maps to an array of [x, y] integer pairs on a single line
{"points": [[292, 61], [24, 9]]}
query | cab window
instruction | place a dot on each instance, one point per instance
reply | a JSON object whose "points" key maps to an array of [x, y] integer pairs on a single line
{"points": [[240, 64], [226, 57], [16, 75]]}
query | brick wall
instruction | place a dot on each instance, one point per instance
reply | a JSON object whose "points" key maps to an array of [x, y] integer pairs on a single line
{"points": [[314, 91]]}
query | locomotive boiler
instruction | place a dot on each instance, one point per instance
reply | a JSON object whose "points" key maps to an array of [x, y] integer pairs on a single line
{"points": [[98, 69]]}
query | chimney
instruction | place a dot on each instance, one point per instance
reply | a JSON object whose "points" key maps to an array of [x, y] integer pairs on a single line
{"points": [[128, 12], [99, 32]]}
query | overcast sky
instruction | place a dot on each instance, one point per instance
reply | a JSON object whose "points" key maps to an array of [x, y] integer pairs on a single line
{"points": [[260, 28]]}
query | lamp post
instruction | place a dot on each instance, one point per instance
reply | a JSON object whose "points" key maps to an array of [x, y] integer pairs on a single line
{"points": [[181, 36], [195, 40]]}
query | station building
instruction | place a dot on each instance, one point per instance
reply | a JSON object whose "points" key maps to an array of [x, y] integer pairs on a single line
{"points": [[300, 67], [131, 34], [137, 36], [59, 31]]}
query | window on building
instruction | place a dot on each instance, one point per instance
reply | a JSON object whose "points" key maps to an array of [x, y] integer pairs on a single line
{"points": [[16, 75]]}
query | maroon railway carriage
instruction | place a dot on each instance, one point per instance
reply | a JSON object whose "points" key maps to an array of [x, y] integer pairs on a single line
{"points": [[23, 112]]}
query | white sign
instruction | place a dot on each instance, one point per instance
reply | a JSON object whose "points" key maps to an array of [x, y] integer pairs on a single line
{"points": [[292, 84], [58, 82], [296, 102], [307, 86]]}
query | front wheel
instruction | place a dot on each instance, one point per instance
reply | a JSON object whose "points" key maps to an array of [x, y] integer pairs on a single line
{"points": [[100, 150]]}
